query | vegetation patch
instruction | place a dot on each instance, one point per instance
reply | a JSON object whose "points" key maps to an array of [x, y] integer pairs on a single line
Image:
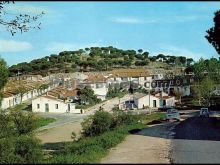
{"points": [[92, 149], [40, 122], [148, 119], [97, 138]]}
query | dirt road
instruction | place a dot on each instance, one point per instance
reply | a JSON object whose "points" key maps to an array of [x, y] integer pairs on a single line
{"points": [[148, 146], [60, 133]]}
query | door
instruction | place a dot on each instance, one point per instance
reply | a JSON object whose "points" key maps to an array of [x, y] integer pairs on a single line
{"points": [[154, 103], [164, 102], [46, 107], [68, 107]]}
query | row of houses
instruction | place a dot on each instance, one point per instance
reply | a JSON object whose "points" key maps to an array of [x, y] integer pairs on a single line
{"points": [[18, 91], [61, 99], [125, 78]]}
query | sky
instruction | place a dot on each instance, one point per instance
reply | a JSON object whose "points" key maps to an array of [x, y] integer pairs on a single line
{"points": [[170, 28]]}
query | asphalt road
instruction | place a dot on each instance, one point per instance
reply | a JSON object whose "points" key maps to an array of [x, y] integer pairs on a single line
{"points": [[196, 140]]}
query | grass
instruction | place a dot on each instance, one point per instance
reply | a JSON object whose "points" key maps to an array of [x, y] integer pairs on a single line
{"points": [[154, 116], [93, 149], [44, 121]]}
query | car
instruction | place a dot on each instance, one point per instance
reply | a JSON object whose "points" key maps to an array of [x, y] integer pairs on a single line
{"points": [[204, 112], [173, 114]]}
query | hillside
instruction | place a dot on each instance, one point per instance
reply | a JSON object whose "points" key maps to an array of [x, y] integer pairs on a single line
{"points": [[97, 59]]}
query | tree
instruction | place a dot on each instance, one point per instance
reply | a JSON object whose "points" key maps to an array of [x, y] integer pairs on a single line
{"points": [[140, 51], [213, 35], [189, 61], [17, 22], [21, 90], [87, 96], [3, 73], [145, 55], [182, 60], [179, 95], [203, 91]]}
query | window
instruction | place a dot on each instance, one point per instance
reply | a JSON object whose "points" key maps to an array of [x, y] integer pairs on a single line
{"points": [[56, 106], [38, 106]]}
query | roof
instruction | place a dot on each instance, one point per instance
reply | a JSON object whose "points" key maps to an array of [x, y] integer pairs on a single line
{"points": [[52, 98], [130, 73], [12, 86], [69, 93], [164, 97], [139, 95], [95, 79]]}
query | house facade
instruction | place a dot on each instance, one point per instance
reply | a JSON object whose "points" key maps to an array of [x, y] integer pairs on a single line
{"points": [[126, 77], [98, 84], [161, 100], [51, 104], [12, 97]]}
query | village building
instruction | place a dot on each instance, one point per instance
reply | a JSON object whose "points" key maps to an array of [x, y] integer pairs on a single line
{"points": [[98, 84], [48, 103], [157, 100], [18, 91], [125, 77], [59, 100], [26, 77]]}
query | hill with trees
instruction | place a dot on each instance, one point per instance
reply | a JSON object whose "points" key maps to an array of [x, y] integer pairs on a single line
{"points": [[96, 59]]}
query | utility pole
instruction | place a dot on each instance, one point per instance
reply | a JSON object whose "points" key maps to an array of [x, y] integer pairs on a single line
{"points": [[149, 100]]}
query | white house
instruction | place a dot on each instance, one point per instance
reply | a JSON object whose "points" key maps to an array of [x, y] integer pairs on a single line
{"points": [[51, 104], [161, 100], [124, 77], [98, 84], [11, 97]]}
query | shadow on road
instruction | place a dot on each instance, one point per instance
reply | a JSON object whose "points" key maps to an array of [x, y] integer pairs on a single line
{"points": [[193, 128]]}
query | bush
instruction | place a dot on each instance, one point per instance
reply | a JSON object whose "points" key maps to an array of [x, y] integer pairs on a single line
{"points": [[7, 151], [17, 143], [22, 149], [97, 124], [24, 123], [29, 149], [122, 118]]}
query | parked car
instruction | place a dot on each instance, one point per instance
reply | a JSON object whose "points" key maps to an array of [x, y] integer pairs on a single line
{"points": [[204, 112], [173, 114]]}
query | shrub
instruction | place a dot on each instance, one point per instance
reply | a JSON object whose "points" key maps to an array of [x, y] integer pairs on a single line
{"points": [[121, 118], [97, 124], [29, 149], [7, 152], [22, 149], [24, 123]]}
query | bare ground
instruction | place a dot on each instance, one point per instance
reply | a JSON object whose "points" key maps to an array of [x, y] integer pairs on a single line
{"points": [[148, 146], [60, 133]]}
